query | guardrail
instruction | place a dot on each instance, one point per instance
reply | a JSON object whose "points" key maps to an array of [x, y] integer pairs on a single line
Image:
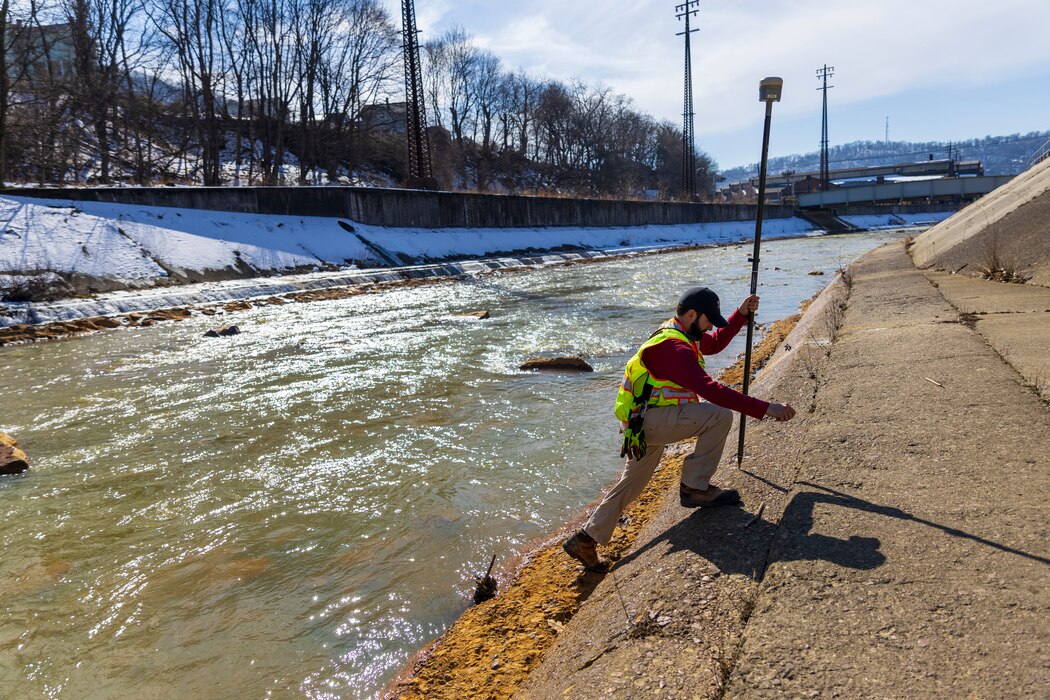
{"points": [[1039, 155]]}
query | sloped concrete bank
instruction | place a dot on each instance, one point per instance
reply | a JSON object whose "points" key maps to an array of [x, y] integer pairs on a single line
{"points": [[893, 541]]}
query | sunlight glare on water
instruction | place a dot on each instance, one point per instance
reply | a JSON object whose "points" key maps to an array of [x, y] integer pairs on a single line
{"points": [[298, 509]]}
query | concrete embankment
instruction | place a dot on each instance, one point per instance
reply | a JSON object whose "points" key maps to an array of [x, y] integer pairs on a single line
{"points": [[901, 549], [1005, 234]]}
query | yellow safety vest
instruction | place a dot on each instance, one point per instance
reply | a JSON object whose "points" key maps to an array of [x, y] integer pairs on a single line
{"points": [[636, 376]]}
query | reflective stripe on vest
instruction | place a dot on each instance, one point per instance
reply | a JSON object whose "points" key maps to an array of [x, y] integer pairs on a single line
{"points": [[636, 375]]}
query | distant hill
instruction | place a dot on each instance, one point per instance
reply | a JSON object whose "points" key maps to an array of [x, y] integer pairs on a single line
{"points": [[1001, 155]]}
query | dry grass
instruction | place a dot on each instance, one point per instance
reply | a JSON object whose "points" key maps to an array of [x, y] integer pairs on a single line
{"points": [[760, 354], [35, 288], [1001, 268]]}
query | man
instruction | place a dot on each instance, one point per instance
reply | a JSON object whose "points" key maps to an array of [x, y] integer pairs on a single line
{"points": [[659, 403]]}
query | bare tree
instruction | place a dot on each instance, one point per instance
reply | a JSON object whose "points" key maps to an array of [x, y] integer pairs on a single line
{"points": [[355, 72], [192, 28], [100, 34]]}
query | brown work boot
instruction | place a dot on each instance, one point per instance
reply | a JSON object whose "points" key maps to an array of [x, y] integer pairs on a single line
{"points": [[584, 549], [710, 497]]}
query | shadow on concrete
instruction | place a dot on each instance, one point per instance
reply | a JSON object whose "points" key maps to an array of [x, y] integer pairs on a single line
{"points": [[889, 511], [723, 537], [767, 482]]}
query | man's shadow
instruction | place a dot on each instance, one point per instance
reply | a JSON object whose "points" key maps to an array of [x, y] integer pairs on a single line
{"points": [[733, 541]]}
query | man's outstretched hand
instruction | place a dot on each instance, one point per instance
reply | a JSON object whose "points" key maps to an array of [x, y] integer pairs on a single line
{"points": [[780, 412], [749, 305]]}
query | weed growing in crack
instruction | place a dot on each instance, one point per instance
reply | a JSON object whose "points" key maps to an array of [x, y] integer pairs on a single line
{"points": [[1000, 268]]}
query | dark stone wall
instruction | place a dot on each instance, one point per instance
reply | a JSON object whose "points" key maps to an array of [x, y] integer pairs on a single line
{"points": [[416, 208]]}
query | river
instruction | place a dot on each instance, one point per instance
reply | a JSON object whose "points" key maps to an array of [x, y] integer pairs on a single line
{"points": [[295, 511]]}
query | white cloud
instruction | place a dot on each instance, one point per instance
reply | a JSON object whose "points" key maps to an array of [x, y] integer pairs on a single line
{"points": [[879, 48]]}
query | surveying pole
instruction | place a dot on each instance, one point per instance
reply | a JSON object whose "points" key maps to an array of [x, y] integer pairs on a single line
{"points": [[769, 91]]}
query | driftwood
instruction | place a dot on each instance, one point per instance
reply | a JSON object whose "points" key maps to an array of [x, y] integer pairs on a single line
{"points": [[486, 588]]}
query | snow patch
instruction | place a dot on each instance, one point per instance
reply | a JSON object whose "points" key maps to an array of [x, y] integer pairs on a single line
{"points": [[877, 221]]}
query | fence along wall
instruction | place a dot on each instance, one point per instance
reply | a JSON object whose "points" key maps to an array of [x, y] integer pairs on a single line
{"points": [[414, 208]]}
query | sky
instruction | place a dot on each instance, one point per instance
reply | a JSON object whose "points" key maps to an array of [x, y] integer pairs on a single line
{"points": [[939, 69]]}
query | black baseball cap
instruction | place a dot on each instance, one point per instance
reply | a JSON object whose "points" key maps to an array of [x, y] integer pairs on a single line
{"points": [[703, 301]]}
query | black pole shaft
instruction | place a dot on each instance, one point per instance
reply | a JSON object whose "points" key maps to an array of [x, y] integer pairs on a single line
{"points": [[754, 274]]}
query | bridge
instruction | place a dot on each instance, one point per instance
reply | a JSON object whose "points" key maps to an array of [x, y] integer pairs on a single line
{"points": [[943, 167], [948, 188]]}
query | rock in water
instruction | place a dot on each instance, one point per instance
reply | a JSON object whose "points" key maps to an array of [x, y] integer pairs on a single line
{"points": [[574, 363], [228, 330], [474, 314], [12, 459]]}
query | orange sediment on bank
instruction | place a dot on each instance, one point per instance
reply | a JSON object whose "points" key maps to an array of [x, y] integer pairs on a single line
{"points": [[763, 350], [492, 647]]}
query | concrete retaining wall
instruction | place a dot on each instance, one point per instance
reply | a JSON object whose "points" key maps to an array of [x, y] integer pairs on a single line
{"points": [[415, 208]]}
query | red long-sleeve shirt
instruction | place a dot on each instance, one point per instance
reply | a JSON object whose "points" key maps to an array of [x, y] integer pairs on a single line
{"points": [[676, 361]]}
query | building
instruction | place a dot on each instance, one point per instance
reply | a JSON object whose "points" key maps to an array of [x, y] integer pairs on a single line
{"points": [[40, 53], [386, 117]]}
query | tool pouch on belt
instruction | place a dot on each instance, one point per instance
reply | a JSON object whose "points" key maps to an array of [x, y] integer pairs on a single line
{"points": [[634, 433]]}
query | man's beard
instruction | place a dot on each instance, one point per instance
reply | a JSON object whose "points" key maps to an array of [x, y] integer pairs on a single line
{"points": [[695, 330]]}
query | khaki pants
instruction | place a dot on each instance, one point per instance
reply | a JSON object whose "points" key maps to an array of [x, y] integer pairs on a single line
{"points": [[705, 421]]}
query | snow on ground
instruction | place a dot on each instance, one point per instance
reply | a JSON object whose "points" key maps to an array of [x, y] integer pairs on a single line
{"points": [[136, 243], [138, 247], [877, 221], [37, 237], [443, 243]]}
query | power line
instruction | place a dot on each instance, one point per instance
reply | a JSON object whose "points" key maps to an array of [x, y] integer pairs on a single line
{"points": [[686, 10]]}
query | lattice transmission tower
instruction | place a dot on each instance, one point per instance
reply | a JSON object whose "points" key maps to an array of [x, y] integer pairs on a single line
{"points": [[419, 170], [823, 74], [685, 11]]}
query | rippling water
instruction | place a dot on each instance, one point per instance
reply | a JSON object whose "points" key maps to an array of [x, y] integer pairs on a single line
{"points": [[296, 510]]}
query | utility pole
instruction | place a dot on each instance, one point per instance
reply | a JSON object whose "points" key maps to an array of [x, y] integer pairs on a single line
{"points": [[419, 172], [686, 10], [887, 129], [823, 74]]}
